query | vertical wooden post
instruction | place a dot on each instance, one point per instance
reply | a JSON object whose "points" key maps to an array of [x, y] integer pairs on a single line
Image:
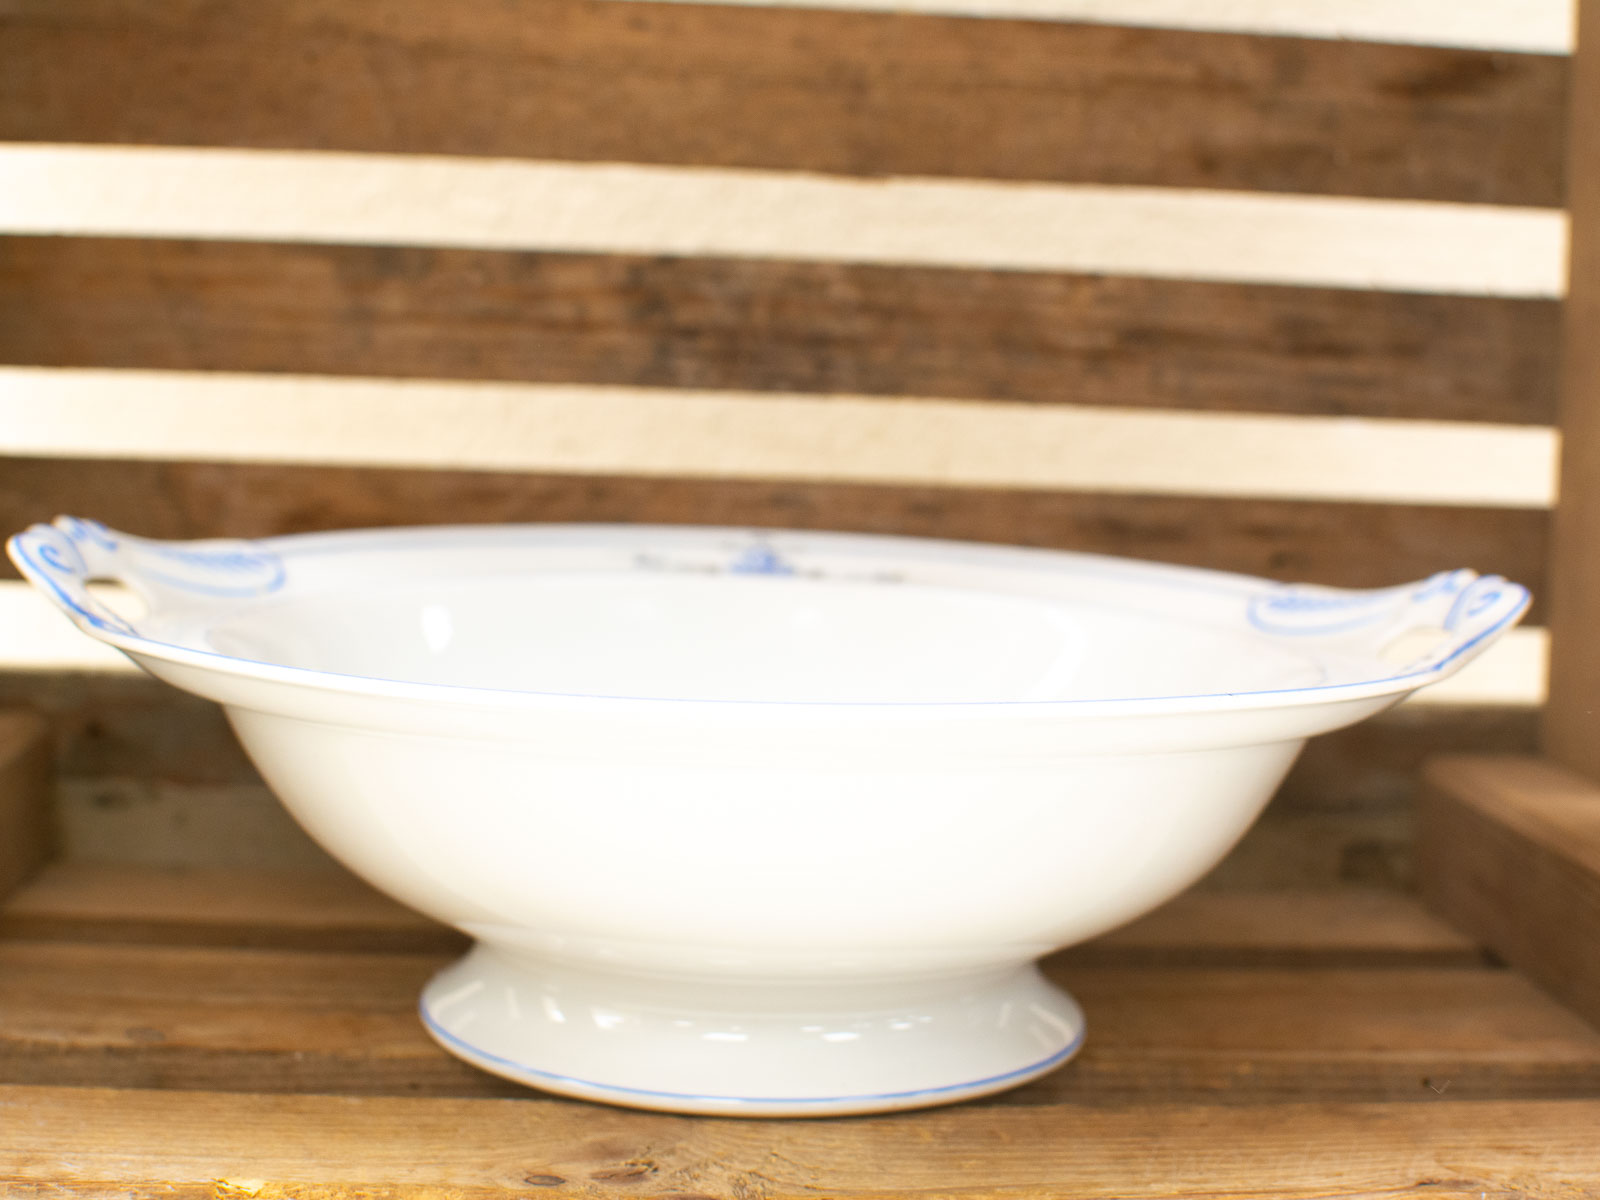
{"points": [[1572, 716], [1507, 849], [26, 836]]}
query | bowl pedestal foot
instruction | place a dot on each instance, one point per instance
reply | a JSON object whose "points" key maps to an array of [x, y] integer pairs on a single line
{"points": [[746, 1047]]}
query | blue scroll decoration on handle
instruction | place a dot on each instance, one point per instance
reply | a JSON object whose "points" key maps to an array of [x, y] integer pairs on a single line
{"points": [[64, 557], [1461, 607]]}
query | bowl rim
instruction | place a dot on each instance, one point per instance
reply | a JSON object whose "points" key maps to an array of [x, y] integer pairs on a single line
{"points": [[60, 559]]}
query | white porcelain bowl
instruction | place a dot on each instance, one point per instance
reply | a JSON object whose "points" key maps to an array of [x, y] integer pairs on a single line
{"points": [[759, 822]]}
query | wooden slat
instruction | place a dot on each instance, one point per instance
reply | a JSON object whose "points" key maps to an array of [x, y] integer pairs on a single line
{"points": [[1354, 545], [1575, 567], [1374, 766], [1281, 927], [74, 901], [768, 325], [243, 827], [27, 837], [1509, 849], [196, 1017], [1536, 26], [1262, 1079], [128, 726], [589, 429], [326, 1148], [851, 93], [505, 204]]}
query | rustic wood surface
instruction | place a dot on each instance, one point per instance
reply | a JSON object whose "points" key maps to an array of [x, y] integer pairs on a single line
{"points": [[26, 760], [1569, 726], [1352, 545], [853, 93], [223, 982], [167, 1033], [778, 326], [274, 1021], [1509, 849], [229, 1147], [75, 901]]}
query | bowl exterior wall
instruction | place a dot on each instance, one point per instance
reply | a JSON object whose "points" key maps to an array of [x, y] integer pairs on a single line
{"points": [[832, 859]]}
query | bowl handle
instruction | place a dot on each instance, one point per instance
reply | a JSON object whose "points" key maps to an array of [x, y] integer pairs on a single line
{"points": [[1440, 622], [62, 558]]}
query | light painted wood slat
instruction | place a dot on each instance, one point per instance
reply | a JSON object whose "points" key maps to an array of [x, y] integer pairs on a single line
{"points": [[725, 435], [790, 88], [377, 199], [328, 1148], [1530, 26], [788, 326]]}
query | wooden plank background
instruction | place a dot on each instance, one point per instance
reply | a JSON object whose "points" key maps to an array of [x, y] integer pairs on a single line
{"points": [[772, 325], [835, 92], [1102, 217]]}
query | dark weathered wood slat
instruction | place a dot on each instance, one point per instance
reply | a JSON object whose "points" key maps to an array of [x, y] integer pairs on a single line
{"points": [[1509, 849], [1569, 725], [176, 1017], [1354, 545], [856, 93], [26, 836], [131, 727], [1375, 765], [76, 901], [756, 325], [327, 1148]]}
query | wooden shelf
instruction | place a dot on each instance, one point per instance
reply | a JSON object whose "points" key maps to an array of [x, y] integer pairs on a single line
{"points": [[187, 1027]]}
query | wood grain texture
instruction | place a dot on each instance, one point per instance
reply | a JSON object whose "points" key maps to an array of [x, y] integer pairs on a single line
{"points": [[202, 1068], [74, 901], [1354, 545], [852, 93], [327, 1148], [27, 836], [1569, 727], [1509, 850], [295, 1021], [773, 326]]}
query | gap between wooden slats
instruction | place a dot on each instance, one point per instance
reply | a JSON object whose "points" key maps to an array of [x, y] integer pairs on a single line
{"points": [[422, 201], [758, 325], [785, 88], [726, 435]]}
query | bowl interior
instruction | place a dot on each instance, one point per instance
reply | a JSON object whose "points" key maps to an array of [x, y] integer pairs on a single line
{"points": [[751, 638]]}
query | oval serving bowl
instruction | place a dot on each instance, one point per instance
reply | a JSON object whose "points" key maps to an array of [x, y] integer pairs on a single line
{"points": [[760, 822]]}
